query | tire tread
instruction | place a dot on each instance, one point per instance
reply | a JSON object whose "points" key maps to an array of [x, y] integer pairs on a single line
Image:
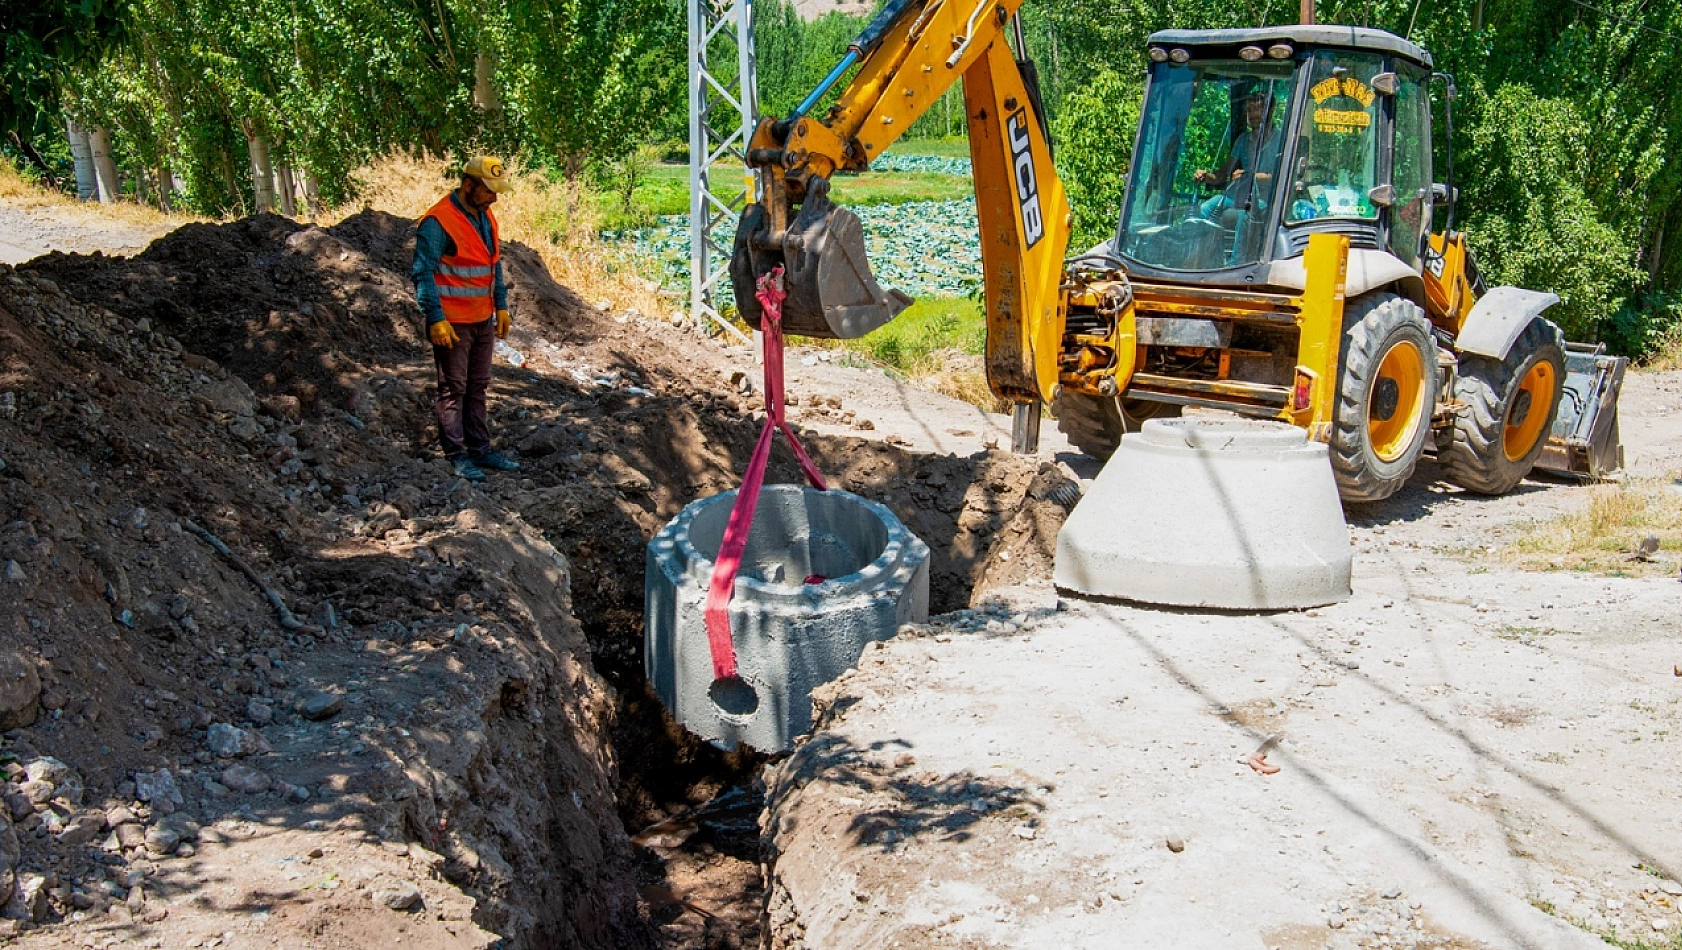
{"points": [[1372, 320], [1475, 458], [1095, 424]]}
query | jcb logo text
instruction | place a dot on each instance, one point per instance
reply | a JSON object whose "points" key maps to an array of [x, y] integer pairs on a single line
{"points": [[1027, 189]]}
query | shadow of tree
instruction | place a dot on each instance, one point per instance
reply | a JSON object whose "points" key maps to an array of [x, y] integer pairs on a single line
{"points": [[900, 806]]}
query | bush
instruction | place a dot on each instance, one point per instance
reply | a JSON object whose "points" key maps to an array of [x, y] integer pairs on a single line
{"points": [[1529, 213], [1649, 328]]}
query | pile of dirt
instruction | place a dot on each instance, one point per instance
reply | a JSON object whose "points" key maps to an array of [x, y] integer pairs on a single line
{"points": [[452, 703], [408, 707]]}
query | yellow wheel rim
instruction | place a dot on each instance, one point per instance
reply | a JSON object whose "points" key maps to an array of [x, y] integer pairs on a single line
{"points": [[1529, 405], [1393, 419]]}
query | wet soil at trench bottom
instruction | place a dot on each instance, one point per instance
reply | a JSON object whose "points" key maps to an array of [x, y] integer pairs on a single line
{"points": [[460, 671]]}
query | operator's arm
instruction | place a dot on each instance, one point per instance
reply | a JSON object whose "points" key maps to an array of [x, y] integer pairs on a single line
{"points": [[1217, 179], [431, 244], [501, 289], [1233, 166]]}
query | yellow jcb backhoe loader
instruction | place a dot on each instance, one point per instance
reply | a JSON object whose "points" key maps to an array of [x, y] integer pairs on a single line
{"points": [[1275, 255]]}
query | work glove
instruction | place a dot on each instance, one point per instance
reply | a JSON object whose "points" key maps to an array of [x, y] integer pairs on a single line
{"points": [[442, 334], [503, 322]]}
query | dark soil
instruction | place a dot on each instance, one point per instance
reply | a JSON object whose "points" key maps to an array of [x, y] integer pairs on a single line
{"points": [[268, 381]]}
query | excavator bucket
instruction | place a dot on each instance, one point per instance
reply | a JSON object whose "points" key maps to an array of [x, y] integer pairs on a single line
{"points": [[1584, 441], [832, 293]]}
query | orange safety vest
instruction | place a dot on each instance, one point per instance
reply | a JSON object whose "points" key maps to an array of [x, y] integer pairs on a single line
{"points": [[466, 279]]}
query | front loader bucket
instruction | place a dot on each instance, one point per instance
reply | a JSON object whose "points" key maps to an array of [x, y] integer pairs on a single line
{"points": [[1584, 441], [832, 293]]}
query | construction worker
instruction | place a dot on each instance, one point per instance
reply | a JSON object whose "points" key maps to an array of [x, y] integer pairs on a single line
{"points": [[459, 287]]}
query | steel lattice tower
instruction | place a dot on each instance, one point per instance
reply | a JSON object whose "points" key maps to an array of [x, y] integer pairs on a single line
{"points": [[723, 107]]}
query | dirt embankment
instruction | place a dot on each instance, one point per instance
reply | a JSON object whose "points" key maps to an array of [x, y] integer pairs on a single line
{"points": [[451, 719]]}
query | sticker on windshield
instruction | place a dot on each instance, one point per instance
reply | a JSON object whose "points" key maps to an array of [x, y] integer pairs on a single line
{"points": [[1341, 118], [1027, 187]]}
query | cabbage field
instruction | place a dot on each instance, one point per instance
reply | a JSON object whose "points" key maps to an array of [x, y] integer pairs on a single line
{"points": [[925, 248]]}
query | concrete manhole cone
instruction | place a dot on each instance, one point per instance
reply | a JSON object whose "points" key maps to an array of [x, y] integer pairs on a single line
{"points": [[790, 636], [1229, 513]]}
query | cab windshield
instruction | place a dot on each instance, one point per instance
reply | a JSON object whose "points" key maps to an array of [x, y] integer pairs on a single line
{"points": [[1204, 176], [1339, 134]]}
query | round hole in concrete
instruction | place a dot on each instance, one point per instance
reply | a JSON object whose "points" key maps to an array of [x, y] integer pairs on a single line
{"points": [[797, 533], [733, 696]]}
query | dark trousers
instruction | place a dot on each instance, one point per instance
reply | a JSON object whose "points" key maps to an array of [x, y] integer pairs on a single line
{"points": [[464, 375]]}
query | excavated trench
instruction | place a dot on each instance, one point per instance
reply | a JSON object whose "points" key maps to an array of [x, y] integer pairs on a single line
{"points": [[274, 375], [693, 810]]}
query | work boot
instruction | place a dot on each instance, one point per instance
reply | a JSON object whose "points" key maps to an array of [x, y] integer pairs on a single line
{"points": [[497, 461], [466, 469]]}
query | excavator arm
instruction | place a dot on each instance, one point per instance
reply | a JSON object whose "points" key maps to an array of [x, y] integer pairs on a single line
{"points": [[909, 55]]}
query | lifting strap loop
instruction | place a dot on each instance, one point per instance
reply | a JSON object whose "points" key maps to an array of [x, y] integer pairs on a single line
{"points": [[723, 585]]}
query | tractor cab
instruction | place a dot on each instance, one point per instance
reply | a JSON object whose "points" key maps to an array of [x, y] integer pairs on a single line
{"points": [[1252, 140]]}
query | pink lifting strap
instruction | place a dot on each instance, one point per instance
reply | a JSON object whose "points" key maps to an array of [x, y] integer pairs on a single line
{"points": [[723, 586]]}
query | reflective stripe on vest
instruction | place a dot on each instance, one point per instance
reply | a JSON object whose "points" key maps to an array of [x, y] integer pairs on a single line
{"points": [[466, 279], [453, 271]]}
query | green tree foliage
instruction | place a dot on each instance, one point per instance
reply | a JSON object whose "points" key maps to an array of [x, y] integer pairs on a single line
{"points": [[590, 80], [328, 84], [41, 42], [1094, 134], [1531, 214], [793, 56]]}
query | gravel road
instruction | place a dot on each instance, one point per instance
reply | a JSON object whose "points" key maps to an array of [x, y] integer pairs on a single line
{"points": [[29, 232]]}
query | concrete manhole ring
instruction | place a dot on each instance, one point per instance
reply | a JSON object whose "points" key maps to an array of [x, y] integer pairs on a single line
{"points": [[1234, 514], [824, 574]]}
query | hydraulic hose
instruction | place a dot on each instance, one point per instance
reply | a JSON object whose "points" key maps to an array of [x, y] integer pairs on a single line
{"points": [[862, 45]]}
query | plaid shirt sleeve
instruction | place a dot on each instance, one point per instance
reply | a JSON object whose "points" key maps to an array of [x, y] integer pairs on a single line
{"points": [[430, 241]]}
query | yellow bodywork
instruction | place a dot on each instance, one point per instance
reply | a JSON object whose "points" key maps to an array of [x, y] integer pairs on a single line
{"points": [[1024, 216], [1020, 200], [1448, 291], [1321, 323], [1106, 363], [918, 60], [1088, 327], [1048, 328]]}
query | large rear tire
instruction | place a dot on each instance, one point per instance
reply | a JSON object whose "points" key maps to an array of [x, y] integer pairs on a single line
{"points": [[1387, 390], [1510, 410], [1095, 424]]}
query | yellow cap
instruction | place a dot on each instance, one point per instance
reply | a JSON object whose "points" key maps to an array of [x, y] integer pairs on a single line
{"points": [[491, 171]]}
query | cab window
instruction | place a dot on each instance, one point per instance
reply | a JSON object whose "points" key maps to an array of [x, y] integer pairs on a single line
{"points": [[1338, 154], [1204, 178], [1411, 174]]}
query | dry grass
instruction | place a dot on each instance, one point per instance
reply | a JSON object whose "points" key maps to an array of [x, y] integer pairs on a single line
{"points": [[19, 191], [552, 218], [1602, 537], [964, 378], [12, 184], [1513, 715]]}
